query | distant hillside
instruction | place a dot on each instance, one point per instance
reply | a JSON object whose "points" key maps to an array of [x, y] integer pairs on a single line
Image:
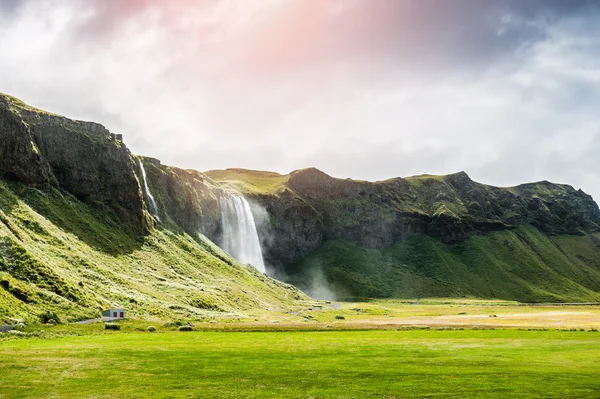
{"points": [[426, 236]]}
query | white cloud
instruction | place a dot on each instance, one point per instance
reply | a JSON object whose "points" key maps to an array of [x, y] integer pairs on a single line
{"points": [[290, 85]]}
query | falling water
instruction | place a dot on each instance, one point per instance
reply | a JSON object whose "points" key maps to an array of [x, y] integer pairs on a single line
{"points": [[240, 238], [153, 207]]}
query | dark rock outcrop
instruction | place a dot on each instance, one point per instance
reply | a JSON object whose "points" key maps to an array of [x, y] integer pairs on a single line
{"points": [[82, 158], [20, 159], [292, 231], [186, 199], [310, 208]]}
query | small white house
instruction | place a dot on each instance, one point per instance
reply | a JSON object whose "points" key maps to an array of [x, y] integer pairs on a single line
{"points": [[114, 313]]}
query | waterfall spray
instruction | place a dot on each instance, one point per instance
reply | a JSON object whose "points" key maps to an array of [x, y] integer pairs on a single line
{"points": [[240, 238], [153, 207]]}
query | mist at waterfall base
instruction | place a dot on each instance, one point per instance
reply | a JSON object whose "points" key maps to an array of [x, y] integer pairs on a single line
{"points": [[240, 238], [153, 208], [313, 282], [241, 222]]}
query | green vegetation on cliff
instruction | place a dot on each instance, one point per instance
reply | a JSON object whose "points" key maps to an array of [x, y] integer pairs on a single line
{"points": [[431, 236], [249, 181], [75, 227], [61, 255], [523, 265], [83, 158]]}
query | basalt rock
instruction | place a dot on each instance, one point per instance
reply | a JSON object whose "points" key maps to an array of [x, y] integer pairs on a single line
{"points": [[309, 208], [20, 158], [292, 229], [186, 199], [82, 158]]}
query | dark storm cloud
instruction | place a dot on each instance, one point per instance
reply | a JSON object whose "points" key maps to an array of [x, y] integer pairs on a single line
{"points": [[8, 7]]}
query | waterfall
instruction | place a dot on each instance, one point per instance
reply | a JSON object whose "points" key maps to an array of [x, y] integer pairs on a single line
{"points": [[240, 238], [153, 207]]}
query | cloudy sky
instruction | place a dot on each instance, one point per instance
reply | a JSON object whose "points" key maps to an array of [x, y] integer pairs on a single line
{"points": [[507, 90]]}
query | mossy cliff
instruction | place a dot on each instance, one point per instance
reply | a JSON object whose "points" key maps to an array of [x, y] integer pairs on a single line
{"points": [[73, 210], [76, 235], [407, 237], [83, 158], [186, 199]]}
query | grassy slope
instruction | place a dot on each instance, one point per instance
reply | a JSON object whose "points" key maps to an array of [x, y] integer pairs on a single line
{"points": [[59, 254], [249, 181], [18, 104], [523, 265], [374, 364]]}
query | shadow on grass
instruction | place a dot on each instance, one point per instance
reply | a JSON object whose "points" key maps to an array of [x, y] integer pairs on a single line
{"points": [[98, 229]]}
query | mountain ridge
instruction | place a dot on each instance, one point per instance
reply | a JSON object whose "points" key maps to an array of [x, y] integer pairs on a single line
{"points": [[389, 238], [312, 169], [323, 226]]}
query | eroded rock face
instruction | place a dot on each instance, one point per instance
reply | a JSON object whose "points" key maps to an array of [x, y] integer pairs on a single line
{"points": [[291, 231], [186, 199], [558, 209], [312, 207], [19, 158], [82, 158]]}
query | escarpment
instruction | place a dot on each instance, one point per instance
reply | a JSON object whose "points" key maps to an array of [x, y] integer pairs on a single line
{"points": [[80, 230], [20, 158], [426, 235], [407, 236], [82, 158], [186, 199], [309, 206]]}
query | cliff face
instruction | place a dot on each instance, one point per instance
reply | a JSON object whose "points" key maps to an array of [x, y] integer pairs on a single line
{"points": [[446, 207], [400, 237], [309, 207], [85, 159], [19, 157], [363, 238], [186, 199], [82, 158], [76, 235], [293, 230]]}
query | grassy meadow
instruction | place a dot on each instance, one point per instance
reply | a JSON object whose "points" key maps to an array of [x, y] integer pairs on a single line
{"points": [[379, 349], [295, 364]]}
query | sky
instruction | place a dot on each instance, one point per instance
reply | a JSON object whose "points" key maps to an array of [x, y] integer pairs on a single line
{"points": [[506, 90]]}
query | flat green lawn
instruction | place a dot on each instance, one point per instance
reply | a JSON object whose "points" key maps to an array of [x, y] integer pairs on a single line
{"points": [[336, 364]]}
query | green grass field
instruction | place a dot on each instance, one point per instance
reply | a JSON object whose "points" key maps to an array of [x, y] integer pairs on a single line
{"points": [[332, 364]]}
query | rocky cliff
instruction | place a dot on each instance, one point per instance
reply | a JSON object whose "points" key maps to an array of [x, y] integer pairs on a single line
{"points": [[82, 158], [310, 206], [344, 228], [186, 199], [413, 236], [76, 235]]}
